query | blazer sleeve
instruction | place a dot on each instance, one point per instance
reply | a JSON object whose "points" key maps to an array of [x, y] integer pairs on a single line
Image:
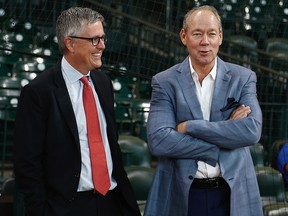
{"points": [[232, 134], [28, 150], [165, 140]]}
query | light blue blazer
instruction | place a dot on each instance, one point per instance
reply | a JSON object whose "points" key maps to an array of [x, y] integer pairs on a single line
{"points": [[174, 100]]}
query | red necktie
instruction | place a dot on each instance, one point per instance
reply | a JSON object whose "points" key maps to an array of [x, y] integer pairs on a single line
{"points": [[100, 175]]}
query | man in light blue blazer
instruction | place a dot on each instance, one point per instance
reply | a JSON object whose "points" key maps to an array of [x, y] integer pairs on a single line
{"points": [[204, 115]]}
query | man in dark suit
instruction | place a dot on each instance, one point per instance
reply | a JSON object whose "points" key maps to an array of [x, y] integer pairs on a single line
{"points": [[52, 161]]}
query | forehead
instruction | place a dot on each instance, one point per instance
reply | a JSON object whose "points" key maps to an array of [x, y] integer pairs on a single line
{"points": [[203, 19], [96, 27]]}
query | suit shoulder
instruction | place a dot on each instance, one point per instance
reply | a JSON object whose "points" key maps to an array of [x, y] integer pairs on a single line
{"points": [[168, 72]]}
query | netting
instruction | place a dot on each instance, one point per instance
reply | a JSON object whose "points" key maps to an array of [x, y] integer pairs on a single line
{"points": [[143, 39]]}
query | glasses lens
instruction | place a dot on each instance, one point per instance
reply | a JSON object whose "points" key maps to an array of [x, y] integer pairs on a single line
{"points": [[96, 40]]}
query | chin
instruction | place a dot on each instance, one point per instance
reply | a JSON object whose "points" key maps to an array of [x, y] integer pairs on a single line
{"points": [[98, 64]]}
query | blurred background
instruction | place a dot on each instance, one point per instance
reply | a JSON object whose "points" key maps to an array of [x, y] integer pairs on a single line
{"points": [[143, 39]]}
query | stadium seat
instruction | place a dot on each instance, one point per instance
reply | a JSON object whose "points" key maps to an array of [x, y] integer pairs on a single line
{"points": [[5, 71], [145, 89], [259, 18], [276, 209], [28, 69], [134, 151], [47, 41], [272, 191], [8, 186], [271, 186], [275, 44], [123, 90], [8, 56], [242, 47], [141, 179], [281, 19], [257, 154], [10, 88], [7, 197]]}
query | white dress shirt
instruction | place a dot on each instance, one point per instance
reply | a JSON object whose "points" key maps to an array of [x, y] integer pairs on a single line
{"points": [[75, 88], [205, 94]]}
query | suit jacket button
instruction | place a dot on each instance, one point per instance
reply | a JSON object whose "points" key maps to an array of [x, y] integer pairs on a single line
{"points": [[190, 177]]}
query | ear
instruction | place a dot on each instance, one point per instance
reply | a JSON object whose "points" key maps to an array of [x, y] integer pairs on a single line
{"points": [[220, 37], [69, 44], [183, 36]]}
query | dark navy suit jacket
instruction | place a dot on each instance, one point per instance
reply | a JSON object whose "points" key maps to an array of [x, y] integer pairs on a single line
{"points": [[47, 148]]}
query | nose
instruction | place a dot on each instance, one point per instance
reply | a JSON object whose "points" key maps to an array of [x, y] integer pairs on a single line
{"points": [[101, 44], [205, 39]]}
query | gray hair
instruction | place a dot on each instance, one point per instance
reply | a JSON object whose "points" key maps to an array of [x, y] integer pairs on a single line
{"points": [[199, 8], [71, 22]]}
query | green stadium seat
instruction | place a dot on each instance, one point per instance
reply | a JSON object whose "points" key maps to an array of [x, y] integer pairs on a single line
{"points": [[10, 88], [271, 186], [47, 42], [7, 197], [8, 56], [5, 71], [275, 44], [257, 154], [141, 179], [134, 151], [29, 69], [259, 18], [272, 191], [281, 19], [242, 47]]}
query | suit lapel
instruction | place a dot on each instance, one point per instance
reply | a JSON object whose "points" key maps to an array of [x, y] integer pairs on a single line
{"points": [[188, 87], [220, 91], [64, 102], [100, 92]]}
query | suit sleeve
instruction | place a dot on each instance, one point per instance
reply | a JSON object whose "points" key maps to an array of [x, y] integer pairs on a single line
{"points": [[28, 151], [232, 134], [164, 140]]}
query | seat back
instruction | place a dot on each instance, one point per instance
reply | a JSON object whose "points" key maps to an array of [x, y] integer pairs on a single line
{"points": [[257, 154], [141, 180], [242, 47], [8, 187], [271, 186], [134, 151], [275, 44]]}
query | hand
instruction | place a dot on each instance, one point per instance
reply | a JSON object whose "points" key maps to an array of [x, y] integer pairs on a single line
{"points": [[241, 112], [181, 127], [286, 167]]}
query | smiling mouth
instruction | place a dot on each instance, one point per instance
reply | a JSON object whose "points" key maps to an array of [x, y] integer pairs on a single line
{"points": [[97, 55]]}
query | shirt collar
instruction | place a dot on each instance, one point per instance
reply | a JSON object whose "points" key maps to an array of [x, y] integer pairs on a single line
{"points": [[212, 72], [70, 72]]}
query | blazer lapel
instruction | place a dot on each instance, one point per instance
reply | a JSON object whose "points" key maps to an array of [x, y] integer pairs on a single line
{"points": [[65, 106], [222, 83], [188, 87], [100, 91]]}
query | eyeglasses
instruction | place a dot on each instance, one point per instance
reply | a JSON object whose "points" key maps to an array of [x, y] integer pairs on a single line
{"points": [[94, 40]]}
